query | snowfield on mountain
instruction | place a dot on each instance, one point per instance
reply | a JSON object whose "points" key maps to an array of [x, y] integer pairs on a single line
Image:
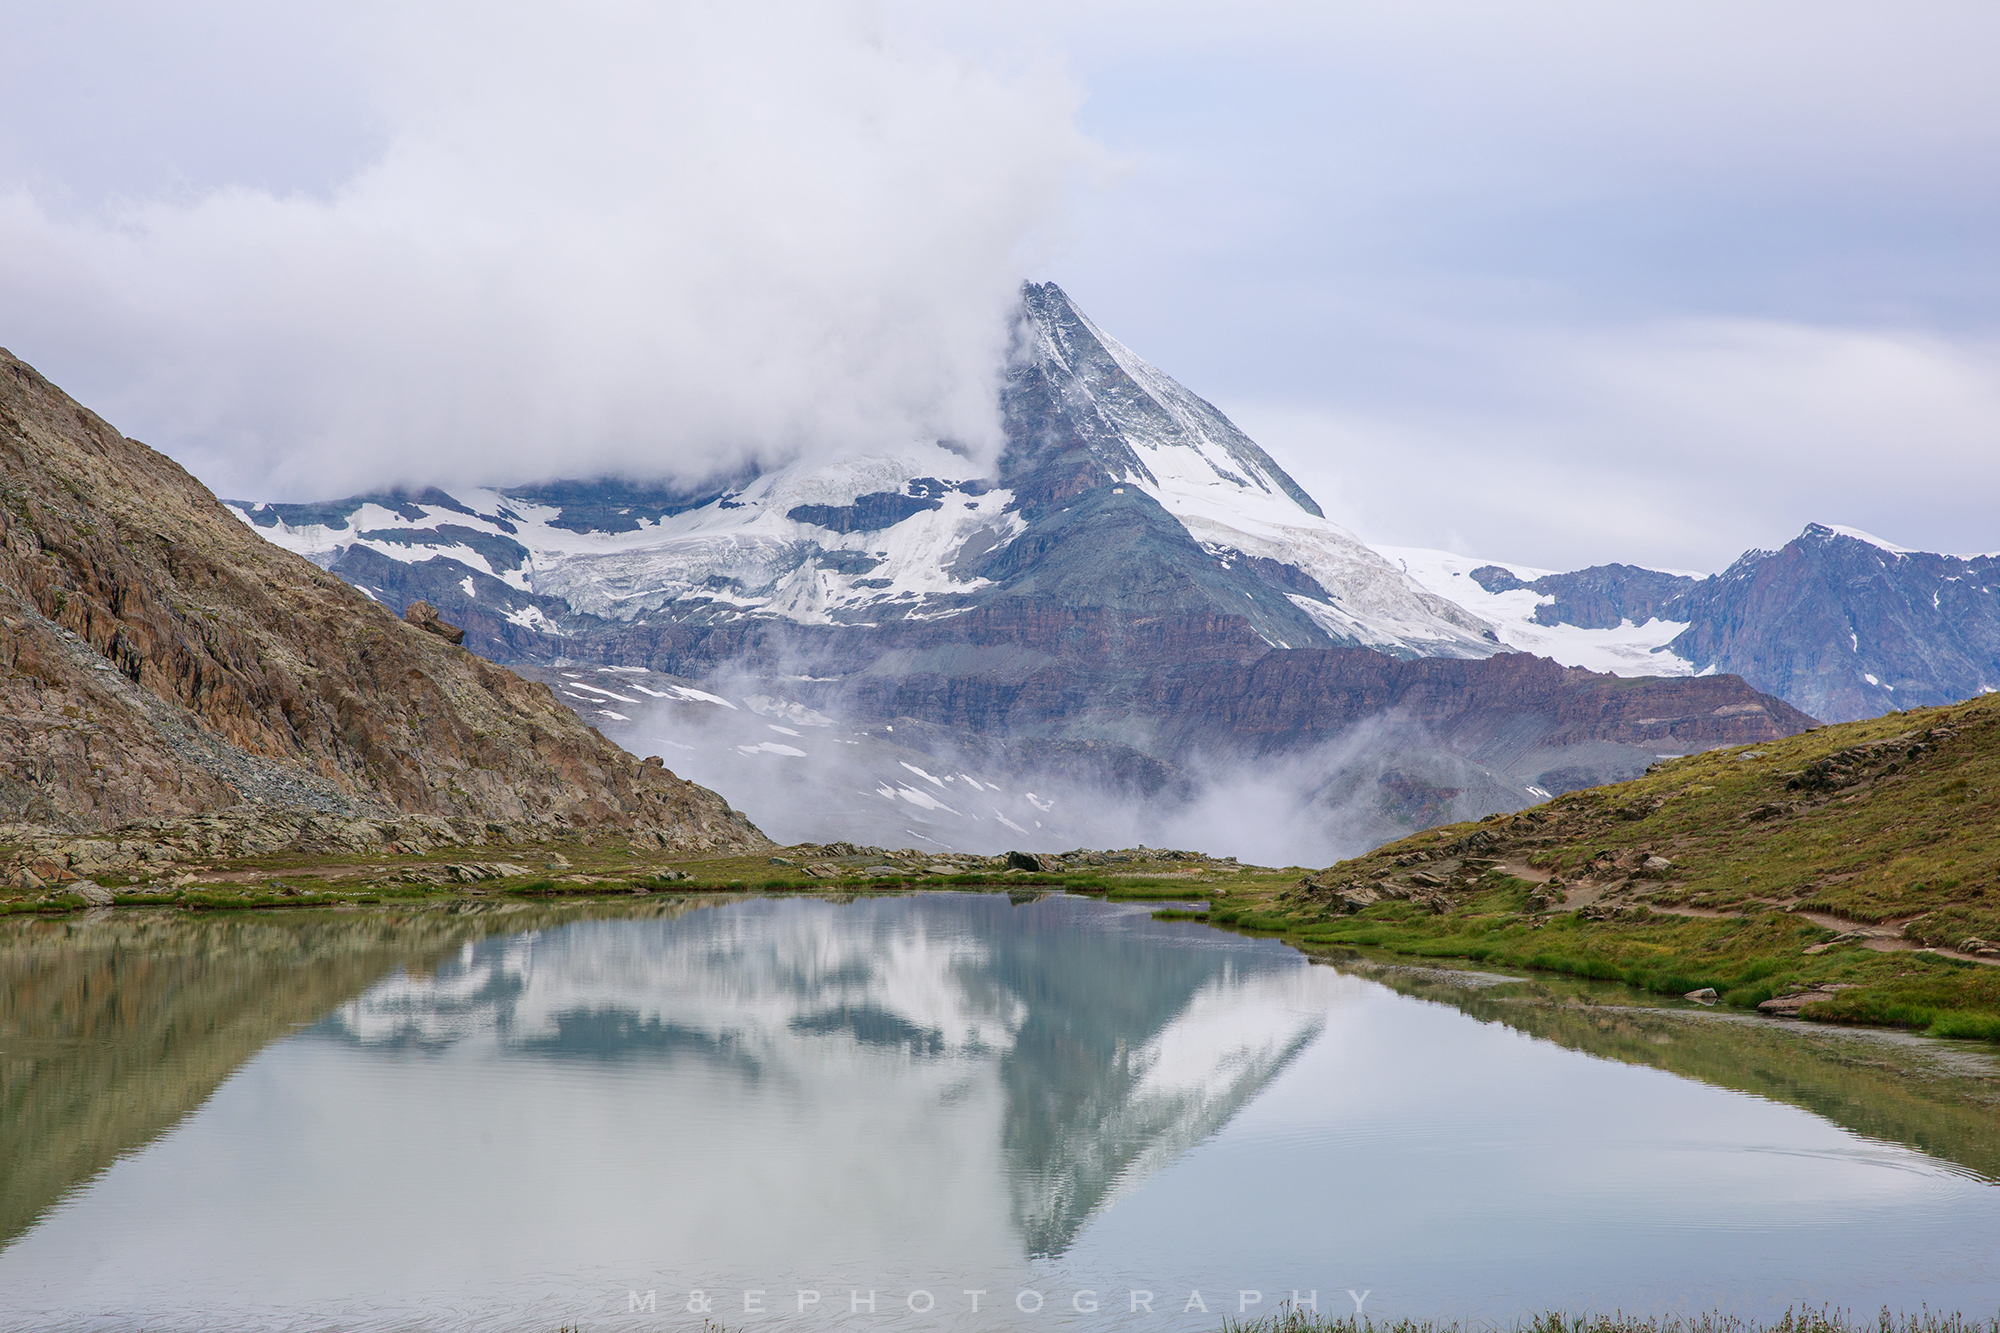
{"points": [[904, 532], [1624, 649], [1130, 621], [1838, 622]]}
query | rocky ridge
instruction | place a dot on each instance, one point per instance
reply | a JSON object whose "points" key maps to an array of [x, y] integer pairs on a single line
{"points": [[1837, 623], [1137, 589], [167, 675], [1118, 491]]}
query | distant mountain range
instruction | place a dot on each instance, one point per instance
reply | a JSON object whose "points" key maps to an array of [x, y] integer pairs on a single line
{"points": [[1838, 623], [1134, 605]]}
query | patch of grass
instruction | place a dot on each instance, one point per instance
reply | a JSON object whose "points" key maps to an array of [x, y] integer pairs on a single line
{"points": [[1948, 998], [1948, 927], [1156, 893], [1244, 918], [1957, 1023], [1746, 960], [1699, 868], [1824, 1320]]}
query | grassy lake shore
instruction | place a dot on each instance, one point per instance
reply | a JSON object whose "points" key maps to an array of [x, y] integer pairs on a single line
{"points": [[1850, 874], [1792, 1321]]}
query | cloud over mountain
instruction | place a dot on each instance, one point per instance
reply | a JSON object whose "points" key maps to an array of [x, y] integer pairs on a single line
{"points": [[658, 241]]}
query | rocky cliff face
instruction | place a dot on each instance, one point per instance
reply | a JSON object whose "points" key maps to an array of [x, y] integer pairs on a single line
{"points": [[1118, 491], [1601, 597], [1137, 589], [1083, 727], [1511, 702], [1848, 627], [1840, 624], [158, 659]]}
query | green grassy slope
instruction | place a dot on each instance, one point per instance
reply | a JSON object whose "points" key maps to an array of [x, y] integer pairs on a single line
{"points": [[1851, 873]]}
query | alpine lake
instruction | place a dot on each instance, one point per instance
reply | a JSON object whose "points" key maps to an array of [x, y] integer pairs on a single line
{"points": [[974, 1110]]}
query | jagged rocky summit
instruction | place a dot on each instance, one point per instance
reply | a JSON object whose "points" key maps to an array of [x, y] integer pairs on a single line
{"points": [[1838, 623], [166, 671], [1132, 596], [1119, 492]]}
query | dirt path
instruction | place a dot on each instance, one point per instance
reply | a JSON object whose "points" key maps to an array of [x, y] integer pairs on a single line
{"points": [[1883, 937]]}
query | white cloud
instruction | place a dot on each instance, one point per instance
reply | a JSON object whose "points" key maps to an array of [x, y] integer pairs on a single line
{"points": [[1675, 443], [1561, 282], [1550, 281], [604, 237]]}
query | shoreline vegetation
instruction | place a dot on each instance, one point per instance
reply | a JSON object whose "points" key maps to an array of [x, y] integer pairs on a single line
{"points": [[1846, 875], [590, 868], [1850, 874], [1824, 1320], [273, 884]]}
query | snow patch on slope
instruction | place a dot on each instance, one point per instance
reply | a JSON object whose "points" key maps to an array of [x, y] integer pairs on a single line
{"points": [[1372, 601], [1870, 538], [1628, 650], [744, 552], [740, 551], [1230, 495]]}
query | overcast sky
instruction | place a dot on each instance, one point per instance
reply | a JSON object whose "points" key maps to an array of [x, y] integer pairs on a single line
{"points": [[1560, 283]]}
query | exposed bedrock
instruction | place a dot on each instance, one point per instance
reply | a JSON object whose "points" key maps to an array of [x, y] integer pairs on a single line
{"points": [[158, 659]]}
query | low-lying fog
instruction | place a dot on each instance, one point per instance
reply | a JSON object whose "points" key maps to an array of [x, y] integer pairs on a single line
{"points": [[804, 776]]}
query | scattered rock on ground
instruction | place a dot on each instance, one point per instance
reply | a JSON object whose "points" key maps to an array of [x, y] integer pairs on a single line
{"points": [[425, 617], [466, 872], [1789, 1004]]}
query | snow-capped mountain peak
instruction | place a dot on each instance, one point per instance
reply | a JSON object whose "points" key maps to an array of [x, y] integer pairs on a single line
{"points": [[1118, 488], [1176, 445]]}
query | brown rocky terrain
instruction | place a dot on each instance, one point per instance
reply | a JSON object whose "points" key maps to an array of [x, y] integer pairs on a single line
{"points": [[1023, 668], [166, 671], [1287, 698]]}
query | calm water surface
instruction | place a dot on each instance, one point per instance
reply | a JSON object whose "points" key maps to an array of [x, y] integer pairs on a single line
{"points": [[437, 1121]]}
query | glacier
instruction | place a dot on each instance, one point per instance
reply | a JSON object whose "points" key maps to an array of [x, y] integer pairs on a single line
{"points": [[908, 531]]}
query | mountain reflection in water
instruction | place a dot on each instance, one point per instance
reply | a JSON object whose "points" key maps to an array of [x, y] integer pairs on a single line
{"points": [[512, 1116], [1108, 1054]]}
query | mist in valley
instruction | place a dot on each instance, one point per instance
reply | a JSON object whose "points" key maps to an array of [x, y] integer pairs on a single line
{"points": [[807, 775]]}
